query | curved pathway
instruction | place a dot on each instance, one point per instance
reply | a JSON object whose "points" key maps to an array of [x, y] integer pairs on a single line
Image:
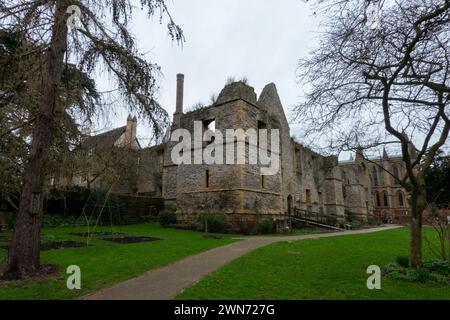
{"points": [[166, 282]]}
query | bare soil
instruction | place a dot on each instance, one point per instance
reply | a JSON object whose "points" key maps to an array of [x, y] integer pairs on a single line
{"points": [[124, 240], [97, 233], [61, 245]]}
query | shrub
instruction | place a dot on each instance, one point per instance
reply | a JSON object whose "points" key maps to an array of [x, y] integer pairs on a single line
{"points": [[166, 218], [265, 226], [441, 267], [403, 261], [421, 274], [215, 222], [8, 220], [392, 267], [52, 221], [395, 271]]}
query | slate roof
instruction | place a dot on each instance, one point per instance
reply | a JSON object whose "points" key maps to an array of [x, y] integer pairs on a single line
{"points": [[104, 140]]}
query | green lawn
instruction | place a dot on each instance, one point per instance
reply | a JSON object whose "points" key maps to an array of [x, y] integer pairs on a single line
{"points": [[106, 263], [329, 268]]}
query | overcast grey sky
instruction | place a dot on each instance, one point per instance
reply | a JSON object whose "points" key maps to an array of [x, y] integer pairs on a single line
{"points": [[258, 39]]}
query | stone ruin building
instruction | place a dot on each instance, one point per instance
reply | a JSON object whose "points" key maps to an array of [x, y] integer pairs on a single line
{"points": [[308, 185]]}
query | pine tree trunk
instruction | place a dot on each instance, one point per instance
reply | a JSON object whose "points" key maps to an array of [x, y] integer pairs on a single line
{"points": [[23, 256], [417, 208]]}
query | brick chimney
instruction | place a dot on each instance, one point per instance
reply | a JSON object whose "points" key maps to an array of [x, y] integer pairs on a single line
{"points": [[130, 133], [180, 93]]}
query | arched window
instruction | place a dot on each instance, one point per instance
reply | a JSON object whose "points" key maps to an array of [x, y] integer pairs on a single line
{"points": [[401, 199], [381, 175], [396, 174], [378, 200], [375, 176], [385, 199]]}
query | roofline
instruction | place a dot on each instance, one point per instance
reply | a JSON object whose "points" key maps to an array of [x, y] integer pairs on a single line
{"points": [[397, 157]]}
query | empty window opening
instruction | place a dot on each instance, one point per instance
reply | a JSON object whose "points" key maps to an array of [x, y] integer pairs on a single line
{"points": [[263, 181], [308, 197], [261, 125], [209, 125], [207, 179]]}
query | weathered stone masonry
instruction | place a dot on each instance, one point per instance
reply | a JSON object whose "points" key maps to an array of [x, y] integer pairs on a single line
{"points": [[306, 180]]}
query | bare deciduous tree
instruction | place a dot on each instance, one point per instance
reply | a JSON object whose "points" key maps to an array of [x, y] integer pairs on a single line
{"points": [[370, 86], [442, 228]]}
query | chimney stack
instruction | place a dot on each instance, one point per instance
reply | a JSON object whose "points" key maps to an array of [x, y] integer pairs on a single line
{"points": [[180, 93], [130, 132]]}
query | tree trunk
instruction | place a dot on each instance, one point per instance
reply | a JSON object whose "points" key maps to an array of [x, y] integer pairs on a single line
{"points": [[23, 256], [448, 235], [417, 208]]}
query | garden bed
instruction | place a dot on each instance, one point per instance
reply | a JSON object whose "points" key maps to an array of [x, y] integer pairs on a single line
{"points": [[61, 245], [57, 245], [97, 233], [124, 240]]}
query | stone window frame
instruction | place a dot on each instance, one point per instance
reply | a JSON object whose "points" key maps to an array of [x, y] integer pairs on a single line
{"points": [[385, 197], [376, 180], [377, 199], [401, 199], [396, 174]]}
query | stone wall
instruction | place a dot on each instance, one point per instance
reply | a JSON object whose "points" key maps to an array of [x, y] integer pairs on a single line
{"points": [[150, 171], [306, 180], [234, 189], [311, 180]]}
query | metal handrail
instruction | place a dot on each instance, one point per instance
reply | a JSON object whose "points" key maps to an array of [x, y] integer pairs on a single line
{"points": [[314, 216]]}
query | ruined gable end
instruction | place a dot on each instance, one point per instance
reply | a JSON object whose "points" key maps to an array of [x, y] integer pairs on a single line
{"points": [[270, 100]]}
